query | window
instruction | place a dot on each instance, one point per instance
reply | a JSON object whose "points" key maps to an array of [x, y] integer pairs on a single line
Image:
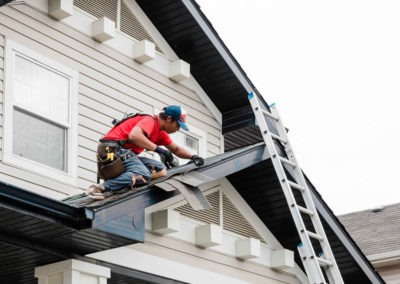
{"points": [[193, 140], [40, 114]]}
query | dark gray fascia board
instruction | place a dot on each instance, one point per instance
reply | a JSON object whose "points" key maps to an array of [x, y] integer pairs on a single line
{"points": [[341, 233], [27, 202], [203, 23], [343, 236], [193, 8], [218, 168]]}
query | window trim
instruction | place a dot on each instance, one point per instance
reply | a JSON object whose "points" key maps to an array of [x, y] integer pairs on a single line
{"points": [[70, 175]]}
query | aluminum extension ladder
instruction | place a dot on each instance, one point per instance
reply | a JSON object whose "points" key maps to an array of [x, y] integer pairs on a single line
{"points": [[313, 264]]}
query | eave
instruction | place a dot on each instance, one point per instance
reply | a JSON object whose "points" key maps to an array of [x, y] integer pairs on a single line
{"points": [[194, 39]]}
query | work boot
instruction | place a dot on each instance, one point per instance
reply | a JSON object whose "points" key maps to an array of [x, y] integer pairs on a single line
{"points": [[96, 191]]}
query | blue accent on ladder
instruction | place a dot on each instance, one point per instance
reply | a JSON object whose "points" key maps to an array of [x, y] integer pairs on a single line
{"points": [[272, 105], [251, 95], [300, 245]]}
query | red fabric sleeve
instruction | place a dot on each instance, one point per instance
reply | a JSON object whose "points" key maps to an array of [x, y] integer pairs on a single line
{"points": [[146, 124]]}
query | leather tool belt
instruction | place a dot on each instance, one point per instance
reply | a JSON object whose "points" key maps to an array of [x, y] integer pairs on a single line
{"points": [[109, 164]]}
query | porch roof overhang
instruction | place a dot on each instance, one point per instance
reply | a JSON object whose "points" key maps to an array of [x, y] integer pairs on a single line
{"points": [[36, 230]]}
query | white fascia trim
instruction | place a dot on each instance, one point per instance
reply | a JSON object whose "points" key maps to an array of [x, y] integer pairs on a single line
{"points": [[226, 187], [386, 258], [258, 225], [69, 177]]}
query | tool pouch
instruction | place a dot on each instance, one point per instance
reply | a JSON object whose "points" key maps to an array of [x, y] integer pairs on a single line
{"points": [[113, 169], [109, 165]]}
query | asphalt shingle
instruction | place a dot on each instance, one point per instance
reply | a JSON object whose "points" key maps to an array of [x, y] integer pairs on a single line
{"points": [[375, 232]]}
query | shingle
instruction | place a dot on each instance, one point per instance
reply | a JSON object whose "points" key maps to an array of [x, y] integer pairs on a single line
{"points": [[375, 232]]}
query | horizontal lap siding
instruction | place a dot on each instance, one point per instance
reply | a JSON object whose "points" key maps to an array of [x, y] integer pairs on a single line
{"points": [[110, 84], [1, 90]]}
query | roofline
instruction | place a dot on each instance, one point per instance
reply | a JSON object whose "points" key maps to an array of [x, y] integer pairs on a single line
{"points": [[212, 34], [344, 236], [202, 21], [45, 208]]}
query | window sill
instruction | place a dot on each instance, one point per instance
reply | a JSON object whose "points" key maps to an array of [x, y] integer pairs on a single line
{"points": [[44, 171]]}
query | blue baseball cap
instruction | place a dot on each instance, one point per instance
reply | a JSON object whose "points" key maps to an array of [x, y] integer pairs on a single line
{"points": [[177, 114]]}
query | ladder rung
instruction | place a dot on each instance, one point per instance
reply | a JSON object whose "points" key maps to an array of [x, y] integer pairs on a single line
{"points": [[324, 262], [296, 186], [315, 236], [278, 137], [305, 210], [267, 113], [286, 161]]}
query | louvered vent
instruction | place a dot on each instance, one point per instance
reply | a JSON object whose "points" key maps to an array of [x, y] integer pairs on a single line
{"points": [[208, 216], [131, 25], [99, 8], [234, 221]]}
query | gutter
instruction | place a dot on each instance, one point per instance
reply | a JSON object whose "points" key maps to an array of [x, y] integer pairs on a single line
{"points": [[45, 208]]}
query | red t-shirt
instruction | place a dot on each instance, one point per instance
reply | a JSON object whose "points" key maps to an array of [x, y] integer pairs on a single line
{"points": [[148, 124]]}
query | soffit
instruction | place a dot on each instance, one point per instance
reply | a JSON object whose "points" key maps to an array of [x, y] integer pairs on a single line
{"points": [[194, 40]]}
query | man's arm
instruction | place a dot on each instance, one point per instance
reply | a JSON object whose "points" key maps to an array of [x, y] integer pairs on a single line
{"points": [[138, 137], [179, 151]]}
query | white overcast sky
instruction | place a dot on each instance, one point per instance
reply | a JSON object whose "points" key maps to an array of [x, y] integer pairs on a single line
{"points": [[333, 69]]}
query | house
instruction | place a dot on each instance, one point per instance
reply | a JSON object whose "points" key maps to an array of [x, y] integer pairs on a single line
{"points": [[376, 232], [67, 69]]}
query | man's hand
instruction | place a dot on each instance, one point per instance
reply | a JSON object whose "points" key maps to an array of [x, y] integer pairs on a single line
{"points": [[168, 155], [198, 161]]}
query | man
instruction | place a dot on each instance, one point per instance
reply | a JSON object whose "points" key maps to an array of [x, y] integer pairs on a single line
{"points": [[136, 134]]}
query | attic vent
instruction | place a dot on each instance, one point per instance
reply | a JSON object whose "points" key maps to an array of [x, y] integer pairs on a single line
{"points": [[131, 25], [210, 216], [234, 221], [99, 8]]}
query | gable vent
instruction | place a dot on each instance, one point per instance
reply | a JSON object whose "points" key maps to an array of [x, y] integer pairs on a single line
{"points": [[235, 222], [210, 216], [99, 8], [131, 25]]}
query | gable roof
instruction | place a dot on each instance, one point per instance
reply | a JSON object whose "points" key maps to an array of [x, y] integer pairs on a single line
{"points": [[252, 174], [191, 35], [80, 226], [193, 38], [375, 231]]}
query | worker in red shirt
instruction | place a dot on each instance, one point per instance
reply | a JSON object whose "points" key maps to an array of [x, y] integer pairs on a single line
{"points": [[134, 135]]}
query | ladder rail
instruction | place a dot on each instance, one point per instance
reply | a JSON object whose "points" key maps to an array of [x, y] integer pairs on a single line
{"points": [[313, 263], [317, 224], [319, 278]]}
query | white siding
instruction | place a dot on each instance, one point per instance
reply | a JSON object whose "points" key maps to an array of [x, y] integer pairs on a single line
{"points": [[110, 84], [1, 90]]}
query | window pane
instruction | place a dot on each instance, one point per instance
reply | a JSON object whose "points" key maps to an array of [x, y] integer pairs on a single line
{"points": [[39, 140], [192, 143], [41, 90]]}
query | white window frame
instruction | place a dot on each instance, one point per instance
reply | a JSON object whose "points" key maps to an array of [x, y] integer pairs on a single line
{"points": [[69, 176]]}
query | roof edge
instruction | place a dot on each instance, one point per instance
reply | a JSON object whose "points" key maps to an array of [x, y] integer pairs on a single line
{"points": [[22, 200], [333, 221]]}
